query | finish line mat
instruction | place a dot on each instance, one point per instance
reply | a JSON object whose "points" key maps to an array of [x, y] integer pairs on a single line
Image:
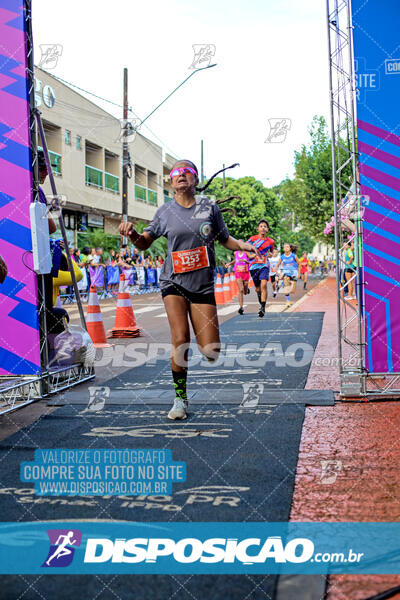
{"points": [[241, 465], [274, 352], [240, 444]]}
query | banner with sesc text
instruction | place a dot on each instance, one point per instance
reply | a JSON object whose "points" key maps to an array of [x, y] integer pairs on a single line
{"points": [[57, 547]]}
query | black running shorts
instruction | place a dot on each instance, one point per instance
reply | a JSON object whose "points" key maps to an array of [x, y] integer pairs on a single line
{"points": [[192, 297]]}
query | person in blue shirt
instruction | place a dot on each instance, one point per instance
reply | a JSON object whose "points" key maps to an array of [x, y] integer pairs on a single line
{"points": [[289, 267]]}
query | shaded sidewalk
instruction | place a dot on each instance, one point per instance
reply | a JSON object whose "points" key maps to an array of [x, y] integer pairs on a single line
{"points": [[363, 441]]}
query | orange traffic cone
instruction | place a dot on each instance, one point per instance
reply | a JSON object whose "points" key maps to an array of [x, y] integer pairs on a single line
{"points": [[125, 323], [227, 289], [233, 285], [219, 292], [94, 321]]}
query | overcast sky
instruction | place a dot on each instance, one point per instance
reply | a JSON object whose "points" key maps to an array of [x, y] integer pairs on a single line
{"points": [[271, 60]]}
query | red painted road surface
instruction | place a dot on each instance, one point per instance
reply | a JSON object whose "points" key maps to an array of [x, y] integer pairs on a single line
{"points": [[364, 482]]}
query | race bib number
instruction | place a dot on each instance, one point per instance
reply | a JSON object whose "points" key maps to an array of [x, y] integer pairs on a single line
{"points": [[260, 259], [190, 260], [242, 268]]}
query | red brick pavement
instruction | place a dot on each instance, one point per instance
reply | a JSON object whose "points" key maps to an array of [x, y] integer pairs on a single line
{"points": [[364, 440]]}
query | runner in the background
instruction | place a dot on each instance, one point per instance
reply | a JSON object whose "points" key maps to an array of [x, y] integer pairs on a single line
{"points": [[191, 225], [273, 268], [259, 266], [305, 264], [288, 265], [242, 275]]}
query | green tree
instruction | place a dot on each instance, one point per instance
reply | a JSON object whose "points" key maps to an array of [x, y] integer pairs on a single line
{"points": [[256, 202], [309, 193]]}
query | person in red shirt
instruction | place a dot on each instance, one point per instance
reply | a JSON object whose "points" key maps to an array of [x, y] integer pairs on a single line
{"points": [[259, 265]]}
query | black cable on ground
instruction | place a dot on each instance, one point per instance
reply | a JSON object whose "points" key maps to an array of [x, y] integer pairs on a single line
{"points": [[385, 595]]}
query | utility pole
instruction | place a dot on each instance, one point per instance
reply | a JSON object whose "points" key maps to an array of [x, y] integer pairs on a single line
{"points": [[202, 164], [125, 156], [223, 176]]}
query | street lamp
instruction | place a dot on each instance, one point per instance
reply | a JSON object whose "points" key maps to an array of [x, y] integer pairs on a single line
{"points": [[173, 92]]}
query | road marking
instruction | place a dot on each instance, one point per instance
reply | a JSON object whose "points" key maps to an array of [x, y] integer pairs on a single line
{"points": [[227, 310], [146, 309]]}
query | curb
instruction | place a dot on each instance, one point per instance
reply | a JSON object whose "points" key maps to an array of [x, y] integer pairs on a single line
{"points": [[304, 298]]}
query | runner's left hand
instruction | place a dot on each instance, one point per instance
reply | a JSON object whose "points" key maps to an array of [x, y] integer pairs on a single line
{"points": [[249, 248]]}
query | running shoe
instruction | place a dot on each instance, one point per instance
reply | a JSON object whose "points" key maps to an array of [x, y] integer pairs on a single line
{"points": [[178, 411], [261, 313], [241, 310], [274, 294], [288, 304]]}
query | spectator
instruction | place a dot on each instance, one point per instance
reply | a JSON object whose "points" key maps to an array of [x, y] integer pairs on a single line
{"points": [[97, 257], [137, 257], [76, 255]]}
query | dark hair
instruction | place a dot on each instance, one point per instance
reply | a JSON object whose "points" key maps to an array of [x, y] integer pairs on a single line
{"points": [[86, 250], [263, 221]]}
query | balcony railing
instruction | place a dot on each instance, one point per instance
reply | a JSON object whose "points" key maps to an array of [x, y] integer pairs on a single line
{"points": [[143, 194], [111, 182], [152, 197], [140, 193], [93, 176], [55, 160]]}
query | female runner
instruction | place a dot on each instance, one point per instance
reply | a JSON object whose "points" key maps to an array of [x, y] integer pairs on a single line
{"points": [[242, 274], [305, 263], [191, 226]]}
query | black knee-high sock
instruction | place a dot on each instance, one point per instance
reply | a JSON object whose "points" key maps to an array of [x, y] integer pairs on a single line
{"points": [[259, 297], [180, 378]]}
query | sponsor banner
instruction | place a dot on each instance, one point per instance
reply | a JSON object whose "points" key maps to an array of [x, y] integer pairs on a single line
{"points": [[375, 31], [19, 341], [198, 548]]}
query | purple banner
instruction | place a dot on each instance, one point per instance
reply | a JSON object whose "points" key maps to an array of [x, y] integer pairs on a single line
{"points": [[19, 340], [377, 61], [96, 276]]}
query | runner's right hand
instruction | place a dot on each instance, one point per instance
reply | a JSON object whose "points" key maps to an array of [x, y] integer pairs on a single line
{"points": [[126, 228]]}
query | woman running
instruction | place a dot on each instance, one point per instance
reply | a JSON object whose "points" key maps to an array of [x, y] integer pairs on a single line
{"points": [[304, 266], [242, 274], [191, 225]]}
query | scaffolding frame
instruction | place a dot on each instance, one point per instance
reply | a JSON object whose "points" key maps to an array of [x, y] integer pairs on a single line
{"points": [[355, 380], [19, 391]]}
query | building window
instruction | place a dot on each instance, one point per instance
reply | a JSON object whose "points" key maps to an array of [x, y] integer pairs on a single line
{"points": [[78, 142], [67, 137]]}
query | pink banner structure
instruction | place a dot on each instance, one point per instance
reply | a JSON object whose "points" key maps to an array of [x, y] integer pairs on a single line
{"points": [[19, 329]]}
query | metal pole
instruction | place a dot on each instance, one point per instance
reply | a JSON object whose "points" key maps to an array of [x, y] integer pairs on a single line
{"points": [[334, 180], [358, 216], [44, 355], [60, 217], [125, 156], [202, 164], [223, 177]]}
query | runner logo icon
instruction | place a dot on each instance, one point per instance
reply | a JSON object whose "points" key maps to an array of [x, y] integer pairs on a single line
{"points": [[62, 542]]}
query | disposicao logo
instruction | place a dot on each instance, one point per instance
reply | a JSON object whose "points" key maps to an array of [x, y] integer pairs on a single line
{"points": [[191, 550], [62, 542]]}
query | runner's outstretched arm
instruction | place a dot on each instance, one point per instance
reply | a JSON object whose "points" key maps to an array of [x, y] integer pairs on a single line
{"points": [[142, 241], [233, 244]]}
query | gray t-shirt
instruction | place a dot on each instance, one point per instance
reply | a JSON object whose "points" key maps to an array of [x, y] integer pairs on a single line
{"points": [[187, 228]]}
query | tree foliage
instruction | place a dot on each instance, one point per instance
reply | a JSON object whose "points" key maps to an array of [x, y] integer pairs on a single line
{"points": [[309, 193]]}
